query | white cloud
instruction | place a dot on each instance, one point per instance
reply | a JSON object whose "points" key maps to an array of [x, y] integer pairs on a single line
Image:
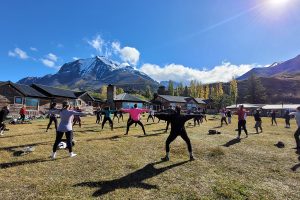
{"points": [[17, 52], [48, 63], [76, 58], [97, 43], [180, 73], [127, 54], [51, 57], [33, 49]]}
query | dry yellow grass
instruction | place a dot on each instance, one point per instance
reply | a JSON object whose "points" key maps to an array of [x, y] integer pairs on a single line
{"points": [[110, 165]]}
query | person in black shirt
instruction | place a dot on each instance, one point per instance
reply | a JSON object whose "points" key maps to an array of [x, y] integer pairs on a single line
{"points": [[287, 118], [198, 119], [52, 117], [3, 114], [273, 116], [98, 115], [228, 114], [177, 121], [258, 121], [116, 115]]}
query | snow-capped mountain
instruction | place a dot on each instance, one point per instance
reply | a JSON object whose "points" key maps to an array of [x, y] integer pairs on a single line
{"points": [[290, 67], [92, 73]]}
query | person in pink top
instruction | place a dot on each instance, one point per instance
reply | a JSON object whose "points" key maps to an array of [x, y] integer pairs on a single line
{"points": [[135, 116], [242, 114]]}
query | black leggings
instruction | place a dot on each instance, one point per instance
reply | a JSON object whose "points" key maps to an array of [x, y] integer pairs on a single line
{"points": [[197, 121], [52, 119], [109, 120], [99, 118], [22, 117], [173, 136], [116, 117], [297, 135], [150, 116], [2, 126], [242, 124], [130, 122], [168, 123], [274, 121], [59, 135], [223, 119]]}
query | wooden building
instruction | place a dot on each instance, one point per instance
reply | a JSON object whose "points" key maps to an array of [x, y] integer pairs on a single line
{"points": [[17, 95], [186, 103]]}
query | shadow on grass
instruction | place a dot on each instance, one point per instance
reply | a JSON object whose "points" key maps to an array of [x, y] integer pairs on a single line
{"points": [[25, 162], [113, 138], [218, 127], [151, 135], [232, 142], [295, 167], [132, 180], [89, 130], [11, 148], [11, 136]]}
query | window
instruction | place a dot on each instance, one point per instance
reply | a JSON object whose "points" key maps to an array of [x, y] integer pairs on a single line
{"points": [[78, 103], [31, 103], [90, 103], [18, 100]]}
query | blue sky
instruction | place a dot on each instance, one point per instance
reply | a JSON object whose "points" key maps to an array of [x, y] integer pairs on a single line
{"points": [[208, 40]]}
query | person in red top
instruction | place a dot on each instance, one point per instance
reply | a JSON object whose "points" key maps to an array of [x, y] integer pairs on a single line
{"points": [[242, 114], [135, 115], [22, 113]]}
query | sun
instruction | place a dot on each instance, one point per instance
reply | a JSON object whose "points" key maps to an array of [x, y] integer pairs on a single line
{"points": [[278, 2]]}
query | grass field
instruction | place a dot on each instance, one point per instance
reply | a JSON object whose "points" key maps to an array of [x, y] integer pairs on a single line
{"points": [[110, 165]]}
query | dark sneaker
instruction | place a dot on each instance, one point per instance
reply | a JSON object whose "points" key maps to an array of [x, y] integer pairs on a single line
{"points": [[165, 159], [192, 158]]}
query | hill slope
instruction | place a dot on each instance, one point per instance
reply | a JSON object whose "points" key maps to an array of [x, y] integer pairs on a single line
{"points": [[291, 66]]}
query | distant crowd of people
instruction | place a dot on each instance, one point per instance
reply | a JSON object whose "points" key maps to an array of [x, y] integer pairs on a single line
{"points": [[172, 116]]}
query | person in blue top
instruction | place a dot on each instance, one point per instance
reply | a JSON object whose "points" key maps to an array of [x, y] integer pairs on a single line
{"points": [[107, 112], [65, 126]]}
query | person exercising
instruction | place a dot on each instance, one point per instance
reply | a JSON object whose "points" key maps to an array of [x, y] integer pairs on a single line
{"points": [[177, 121]]}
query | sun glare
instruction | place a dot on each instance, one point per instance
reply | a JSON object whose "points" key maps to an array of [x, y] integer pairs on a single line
{"points": [[278, 2]]}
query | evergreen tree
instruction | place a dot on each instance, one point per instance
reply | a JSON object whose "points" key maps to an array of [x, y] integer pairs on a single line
{"points": [[256, 93], [186, 92], [171, 88]]}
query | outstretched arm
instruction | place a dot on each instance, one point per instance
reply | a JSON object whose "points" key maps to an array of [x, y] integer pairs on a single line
{"points": [[187, 117], [163, 116]]}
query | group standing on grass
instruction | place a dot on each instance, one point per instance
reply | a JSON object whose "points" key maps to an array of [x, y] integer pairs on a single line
{"points": [[173, 117]]}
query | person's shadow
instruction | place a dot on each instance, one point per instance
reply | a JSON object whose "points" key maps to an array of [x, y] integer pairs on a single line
{"points": [[232, 142], [132, 180]]}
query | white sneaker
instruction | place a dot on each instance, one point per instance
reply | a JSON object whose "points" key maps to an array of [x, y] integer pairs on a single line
{"points": [[73, 154], [53, 155]]}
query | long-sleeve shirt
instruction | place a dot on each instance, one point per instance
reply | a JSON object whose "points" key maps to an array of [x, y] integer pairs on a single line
{"points": [[22, 111], [135, 113], [297, 117], [107, 113], [66, 119], [177, 120]]}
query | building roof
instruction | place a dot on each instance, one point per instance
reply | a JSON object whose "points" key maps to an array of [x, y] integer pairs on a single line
{"points": [[235, 106], [25, 90], [281, 107], [128, 97], [199, 101], [177, 99], [55, 92], [96, 99], [181, 99]]}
